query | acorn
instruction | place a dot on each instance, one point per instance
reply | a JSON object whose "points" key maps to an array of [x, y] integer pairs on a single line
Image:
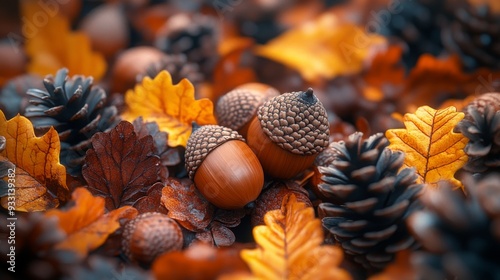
{"points": [[237, 108], [150, 235], [263, 89], [223, 167], [289, 132]]}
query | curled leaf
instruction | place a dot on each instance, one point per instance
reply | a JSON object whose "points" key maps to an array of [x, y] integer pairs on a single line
{"points": [[119, 166], [173, 107], [86, 224], [430, 144], [289, 246], [40, 180]]}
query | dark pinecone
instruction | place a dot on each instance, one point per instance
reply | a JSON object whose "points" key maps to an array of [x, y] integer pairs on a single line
{"points": [[13, 97], [418, 26], [178, 67], [35, 257], [482, 126], [195, 36], [76, 109], [460, 234], [474, 34], [372, 200]]}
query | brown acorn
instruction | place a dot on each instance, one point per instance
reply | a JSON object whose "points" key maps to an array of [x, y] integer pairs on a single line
{"points": [[289, 132], [263, 89], [150, 235], [223, 167], [237, 108]]}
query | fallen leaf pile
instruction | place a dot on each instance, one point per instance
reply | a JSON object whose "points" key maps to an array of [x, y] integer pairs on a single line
{"points": [[412, 94]]}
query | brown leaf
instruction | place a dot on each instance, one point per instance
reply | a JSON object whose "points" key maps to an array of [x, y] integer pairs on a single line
{"points": [[151, 202], [119, 166], [187, 205], [86, 224], [40, 180], [199, 261]]}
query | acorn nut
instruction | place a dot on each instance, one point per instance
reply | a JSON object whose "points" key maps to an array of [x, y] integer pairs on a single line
{"points": [[237, 108], [150, 235], [289, 132], [223, 167]]}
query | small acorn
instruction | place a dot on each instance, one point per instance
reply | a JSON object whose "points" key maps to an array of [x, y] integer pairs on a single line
{"points": [[237, 108], [289, 132], [223, 167], [150, 235]]}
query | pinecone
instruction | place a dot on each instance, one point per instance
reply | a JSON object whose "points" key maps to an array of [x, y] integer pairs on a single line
{"points": [[13, 97], [372, 199], [460, 234], [178, 67], [482, 126], [418, 26], [474, 34], [76, 109], [35, 257], [195, 36]]}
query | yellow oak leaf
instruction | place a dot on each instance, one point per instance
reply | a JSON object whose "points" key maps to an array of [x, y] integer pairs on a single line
{"points": [[40, 180], [323, 48], [430, 144], [53, 45], [86, 224], [173, 107], [288, 246]]}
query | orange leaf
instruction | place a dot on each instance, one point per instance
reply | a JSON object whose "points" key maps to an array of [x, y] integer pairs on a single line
{"points": [[400, 269], [173, 107], [53, 45], [40, 179], [430, 144], [289, 246], [323, 48], [86, 224]]}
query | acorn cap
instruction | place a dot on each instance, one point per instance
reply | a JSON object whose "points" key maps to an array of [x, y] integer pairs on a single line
{"points": [[485, 99], [296, 122], [203, 140], [237, 107]]}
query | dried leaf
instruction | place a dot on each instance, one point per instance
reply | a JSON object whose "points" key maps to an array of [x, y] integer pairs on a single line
{"points": [[199, 261], [400, 269], [323, 48], [55, 46], [187, 205], [151, 202], [289, 246], [86, 224], [119, 166], [430, 144], [173, 107], [40, 180]]}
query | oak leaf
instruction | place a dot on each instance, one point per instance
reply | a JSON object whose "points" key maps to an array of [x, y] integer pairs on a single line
{"points": [[40, 180], [323, 48], [288, 246], [430, 144], [55, 46], [173, 107], [119, 166], [86, 223]]}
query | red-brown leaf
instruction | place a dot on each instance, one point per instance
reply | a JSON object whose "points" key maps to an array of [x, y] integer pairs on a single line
{"points": [[119, 166]]}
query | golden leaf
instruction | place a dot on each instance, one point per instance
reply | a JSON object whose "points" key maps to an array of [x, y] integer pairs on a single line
{"points": [[53, 45], [323, 48], [86, 224], [40, 180], [430, 144], [289, 246], [173, 107]]}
